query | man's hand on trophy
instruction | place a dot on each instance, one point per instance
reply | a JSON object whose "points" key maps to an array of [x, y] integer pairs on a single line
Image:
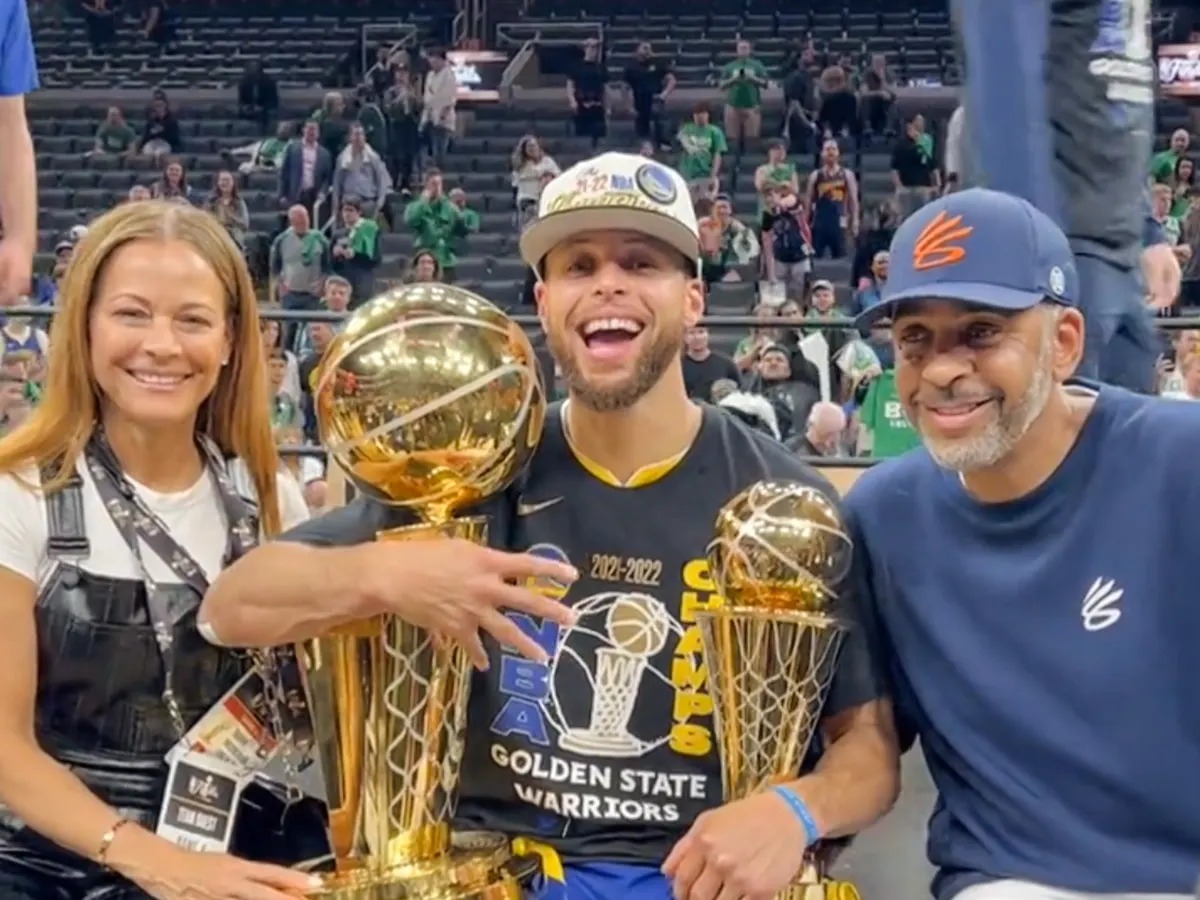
{"points": [[457, 589], [749, 849]]}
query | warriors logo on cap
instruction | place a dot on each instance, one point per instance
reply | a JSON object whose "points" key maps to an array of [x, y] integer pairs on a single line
{"points": [[655, 182]]}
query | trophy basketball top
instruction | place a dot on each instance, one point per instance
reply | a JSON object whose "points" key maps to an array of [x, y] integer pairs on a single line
{"points": [[431, 398], [779, 547]]}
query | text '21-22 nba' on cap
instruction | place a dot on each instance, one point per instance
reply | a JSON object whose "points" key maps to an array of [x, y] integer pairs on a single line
{"points": [[614, 191]]}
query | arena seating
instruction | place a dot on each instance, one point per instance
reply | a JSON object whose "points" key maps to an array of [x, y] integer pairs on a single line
{"points": [[213, 50], [297, 49], [917, 41], [74, 188]]}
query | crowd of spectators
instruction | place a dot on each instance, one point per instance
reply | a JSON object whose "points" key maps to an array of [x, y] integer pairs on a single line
{"points": [[826, 392], [372, 159]]}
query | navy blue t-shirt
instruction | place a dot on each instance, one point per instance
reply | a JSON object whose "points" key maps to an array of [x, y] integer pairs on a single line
{"points": [[1047, 653]]}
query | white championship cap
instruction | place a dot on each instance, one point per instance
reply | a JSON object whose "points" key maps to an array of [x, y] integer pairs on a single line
{"points": [[609, 192]]}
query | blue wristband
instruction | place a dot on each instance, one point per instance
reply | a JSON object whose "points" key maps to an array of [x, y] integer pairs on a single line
{"points": [[800, 808]]}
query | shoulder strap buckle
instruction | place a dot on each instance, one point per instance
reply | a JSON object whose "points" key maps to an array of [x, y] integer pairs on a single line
{"points": [[67, 529]]}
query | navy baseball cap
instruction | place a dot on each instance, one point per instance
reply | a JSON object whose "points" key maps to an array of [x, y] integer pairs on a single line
{"points": [[981, 247]]}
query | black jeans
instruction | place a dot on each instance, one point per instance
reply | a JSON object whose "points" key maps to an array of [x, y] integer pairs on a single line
{"points": [[649, 121], [404, 151], [591, 121]]}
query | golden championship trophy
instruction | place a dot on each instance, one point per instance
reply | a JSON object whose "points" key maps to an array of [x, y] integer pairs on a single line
{"points": [[771, 644], [431, 399]]}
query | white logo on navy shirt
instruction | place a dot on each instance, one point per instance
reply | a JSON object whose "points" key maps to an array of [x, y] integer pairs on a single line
{"points": [[1100, 609]]}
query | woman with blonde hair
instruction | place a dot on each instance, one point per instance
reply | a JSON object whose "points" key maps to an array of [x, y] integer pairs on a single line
{"points": [[148, 466]]}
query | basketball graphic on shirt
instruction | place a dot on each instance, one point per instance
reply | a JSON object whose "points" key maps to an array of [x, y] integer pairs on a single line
{"points": [[638, 627], [618, 654]]}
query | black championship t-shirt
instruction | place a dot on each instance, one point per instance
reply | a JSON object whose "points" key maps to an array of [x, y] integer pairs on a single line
{"points": [[608, 752]]}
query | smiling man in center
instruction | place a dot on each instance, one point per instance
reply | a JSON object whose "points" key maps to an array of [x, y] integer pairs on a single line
{"points": [[599, 751], [643, 471]]}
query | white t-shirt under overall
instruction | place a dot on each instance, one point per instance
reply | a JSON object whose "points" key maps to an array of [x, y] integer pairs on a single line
{"points": [[194, 518]]}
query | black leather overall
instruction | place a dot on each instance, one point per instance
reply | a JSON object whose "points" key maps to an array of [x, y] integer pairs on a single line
{"points": [[99, 710]]}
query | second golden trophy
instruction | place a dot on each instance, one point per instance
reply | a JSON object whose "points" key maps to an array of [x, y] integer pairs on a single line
{"points": [[431, 399], [778, 555]]}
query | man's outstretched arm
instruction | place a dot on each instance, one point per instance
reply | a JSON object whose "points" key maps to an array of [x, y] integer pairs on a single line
{"points": [[330, 571]]}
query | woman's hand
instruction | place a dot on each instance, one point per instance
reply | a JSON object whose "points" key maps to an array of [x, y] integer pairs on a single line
{"points": [[186, 875]]}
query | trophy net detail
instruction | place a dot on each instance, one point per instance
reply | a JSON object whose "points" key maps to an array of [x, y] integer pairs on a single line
{"points": [[421, 738], [772, 680]]}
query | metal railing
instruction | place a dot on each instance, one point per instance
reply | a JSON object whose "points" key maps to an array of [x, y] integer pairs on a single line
{"points": [[409, 36], [473, 27], [550, 32], [458, 29], [326, 227], [533, 323], [515, 65]]}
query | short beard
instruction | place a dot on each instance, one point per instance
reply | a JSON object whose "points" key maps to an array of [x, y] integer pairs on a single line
{"points": [[647, 372], [1002, 434]]}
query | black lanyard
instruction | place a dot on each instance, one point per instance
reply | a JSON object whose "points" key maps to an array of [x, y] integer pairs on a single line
{"points": [[136, 522]]}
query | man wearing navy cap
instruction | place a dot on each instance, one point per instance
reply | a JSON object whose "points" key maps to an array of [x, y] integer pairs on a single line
{"points": [[1035, 611]]}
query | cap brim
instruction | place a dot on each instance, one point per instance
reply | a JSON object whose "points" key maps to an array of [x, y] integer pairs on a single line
{"points": [[990, 296], [544, 234]]}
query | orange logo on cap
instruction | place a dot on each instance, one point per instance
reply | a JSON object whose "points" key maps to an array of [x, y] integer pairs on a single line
{"points": [[940, 244]]}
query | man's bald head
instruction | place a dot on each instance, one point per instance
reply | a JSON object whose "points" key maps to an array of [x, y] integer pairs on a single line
{"points": [[826, 422]]}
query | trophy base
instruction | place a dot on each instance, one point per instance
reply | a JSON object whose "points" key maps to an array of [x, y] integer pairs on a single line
{"points": [[826, 890], [479, 866]]}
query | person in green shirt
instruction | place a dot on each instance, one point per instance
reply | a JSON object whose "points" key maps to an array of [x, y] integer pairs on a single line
{"points": [[883, 416], [775, 173], [437, 223], [1162, 165], [1182, 182], [114, 134], [470, 219], [701, 149], [285, 410], [357, 250], [1161, 200], [743, 81], [269, 152]]}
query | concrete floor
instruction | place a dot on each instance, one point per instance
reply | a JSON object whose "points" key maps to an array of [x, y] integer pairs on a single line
{"points": [[888, 861]]}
